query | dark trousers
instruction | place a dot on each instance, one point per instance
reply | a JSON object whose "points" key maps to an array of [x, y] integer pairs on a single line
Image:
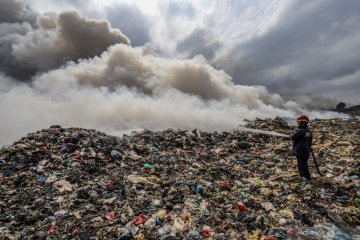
{"points": [[303, 166]]}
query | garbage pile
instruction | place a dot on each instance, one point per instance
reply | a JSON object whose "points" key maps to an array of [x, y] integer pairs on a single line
{"points": [[72, 183]]}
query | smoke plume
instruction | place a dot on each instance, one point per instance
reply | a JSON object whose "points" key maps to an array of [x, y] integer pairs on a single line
{"points": [[83, 73], [27, 48]]}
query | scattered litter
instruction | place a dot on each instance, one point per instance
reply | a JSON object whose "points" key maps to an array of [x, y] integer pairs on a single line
{"points": [[71, 183]]}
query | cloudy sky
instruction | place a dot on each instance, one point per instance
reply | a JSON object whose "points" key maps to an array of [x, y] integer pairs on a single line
{"points": [[120, 65], [292, 47]]}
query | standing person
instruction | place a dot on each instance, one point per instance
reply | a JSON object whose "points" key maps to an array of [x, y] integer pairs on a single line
{"points": [[302, 147]]}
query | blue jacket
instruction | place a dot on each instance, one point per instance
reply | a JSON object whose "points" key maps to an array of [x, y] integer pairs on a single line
{"points": [[302, 142]]}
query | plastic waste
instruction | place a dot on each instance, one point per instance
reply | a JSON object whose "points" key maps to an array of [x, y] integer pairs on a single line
{"points": [[63, 186], [115, 155], [139, 220], [52, 230], [242, 207], [206, 232], [200, 190], [42, 180], [110, 216], [61, 214], [193, 235], [72, 183], [149, 166]]}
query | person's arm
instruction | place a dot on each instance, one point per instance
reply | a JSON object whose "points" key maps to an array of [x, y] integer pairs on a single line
{"points": [[298, 135]]}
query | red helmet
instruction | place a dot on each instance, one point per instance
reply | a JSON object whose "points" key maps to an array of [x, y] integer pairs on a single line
{"points": [[303, 118]]}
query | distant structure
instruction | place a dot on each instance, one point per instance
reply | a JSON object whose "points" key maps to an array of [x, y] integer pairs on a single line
{"points": [[340, 106], [353, 111]]}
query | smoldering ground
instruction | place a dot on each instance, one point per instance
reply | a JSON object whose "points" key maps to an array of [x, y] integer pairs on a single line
{"points": [[69, 70]]}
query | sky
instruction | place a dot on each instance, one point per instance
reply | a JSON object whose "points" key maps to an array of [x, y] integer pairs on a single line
{"points": [[207, 64]]}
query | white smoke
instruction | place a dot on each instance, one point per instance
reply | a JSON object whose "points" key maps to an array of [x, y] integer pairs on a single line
{"points": [[122, 88]]}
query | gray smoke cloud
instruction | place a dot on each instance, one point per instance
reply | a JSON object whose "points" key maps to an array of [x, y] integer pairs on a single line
{"points": [[26, 50], [12, 11], [131, 88], [317, 101], [112, 86]]}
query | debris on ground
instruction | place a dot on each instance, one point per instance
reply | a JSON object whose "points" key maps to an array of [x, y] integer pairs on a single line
{"points": [[72, 183]]}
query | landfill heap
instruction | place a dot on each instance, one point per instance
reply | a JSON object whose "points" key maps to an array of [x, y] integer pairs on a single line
{"points": [[71, 183]]}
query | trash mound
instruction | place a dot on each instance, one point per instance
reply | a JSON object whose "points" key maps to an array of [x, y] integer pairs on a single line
{"points": [[71, 183], [277, 124]]}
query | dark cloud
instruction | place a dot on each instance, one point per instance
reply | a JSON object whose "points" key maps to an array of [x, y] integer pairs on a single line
{"points": [[85, 38], [26, 49], [200, 41], [132, 22], [311, 41], [12, 11]]}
